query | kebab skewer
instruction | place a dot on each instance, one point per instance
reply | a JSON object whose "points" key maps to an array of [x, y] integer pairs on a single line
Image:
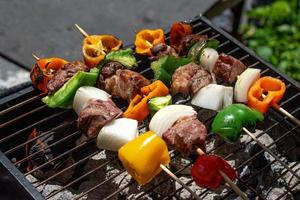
{"points": [[180, 128], [145, 103], [142, 155], [95, 47]]}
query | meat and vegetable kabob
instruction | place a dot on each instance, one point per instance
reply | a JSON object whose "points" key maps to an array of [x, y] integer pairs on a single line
{"points": [[189, 66]]}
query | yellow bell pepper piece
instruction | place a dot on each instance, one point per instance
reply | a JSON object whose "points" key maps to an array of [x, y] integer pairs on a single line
{"points": [[142, 157]]}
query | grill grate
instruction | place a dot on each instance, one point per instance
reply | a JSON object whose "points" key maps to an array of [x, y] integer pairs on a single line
{"points": [[23, 111]]}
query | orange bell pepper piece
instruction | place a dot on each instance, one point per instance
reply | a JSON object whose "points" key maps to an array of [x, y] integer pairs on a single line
{"points": [[95, 47], [265, 92], [43, 70], [138, 107], [178, 31], [146, 39]]}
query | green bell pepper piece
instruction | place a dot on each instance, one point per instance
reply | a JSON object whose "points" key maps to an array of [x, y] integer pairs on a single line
{"points": [[197, 48], [157, 103], [229, 122], [165, 67], [123, 56], [63, 97]]}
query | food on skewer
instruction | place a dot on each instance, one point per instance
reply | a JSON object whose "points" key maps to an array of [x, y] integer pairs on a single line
{"points": [[160, 50], [243, 84], [124, 83], [165, 67], [123, 56], [94, 110], [138, 107], [117, 79], [190, 78], [117, 133], [190, 42], [186, 134], [213, 96], [63, 96], [143, 156], [64, 74], [95, 47], [181, 136], [228, 68], [86, 93], [178, 31], [208, 58], [206, 171], [146, 39], [157, 103], [265, 92], [43, 70], [95, 115], [229, 122], [179, 127]]}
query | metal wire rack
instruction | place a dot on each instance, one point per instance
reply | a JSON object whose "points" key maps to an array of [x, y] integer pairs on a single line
{"points": [[23, 111]]}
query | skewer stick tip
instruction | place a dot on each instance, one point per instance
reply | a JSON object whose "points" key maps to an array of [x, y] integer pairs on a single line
{"points": [[83, 32], [173, 176], [35, 57], [234, 186], [227, 179], [200, 151]]}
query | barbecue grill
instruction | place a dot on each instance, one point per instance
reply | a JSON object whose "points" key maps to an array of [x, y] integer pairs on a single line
{"points": [[260, 175]]}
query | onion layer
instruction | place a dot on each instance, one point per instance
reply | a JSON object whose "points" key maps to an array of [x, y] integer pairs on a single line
{"points": [[85, 93], [167, 116], [117, 133], [208, 58], [213, 97], [243, 84]]}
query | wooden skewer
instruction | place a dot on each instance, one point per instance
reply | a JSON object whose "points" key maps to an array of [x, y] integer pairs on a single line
{"points": [[286, 113], [235, 188], [173, 176], [270, 152], [35, 57], [83, 32]]}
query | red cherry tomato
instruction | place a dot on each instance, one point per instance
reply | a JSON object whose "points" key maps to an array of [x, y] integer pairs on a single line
{"points": [[205, 171]]}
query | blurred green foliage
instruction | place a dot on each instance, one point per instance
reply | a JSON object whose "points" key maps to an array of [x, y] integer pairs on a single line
{"points": [[273, 32]]}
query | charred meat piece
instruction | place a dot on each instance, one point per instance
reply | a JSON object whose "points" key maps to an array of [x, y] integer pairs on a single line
{"points": [[228, 68], [189, 79], [95, 115], [186, 135], [161, 50], [187, 42], [110, 68], [64, 74], [124, 84]]}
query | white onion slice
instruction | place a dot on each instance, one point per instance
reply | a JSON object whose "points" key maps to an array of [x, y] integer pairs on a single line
{"points": [[228, 96], [117, 133], [85, 93], [243, 84], [210, 97], [208, 58], [167, 116]]}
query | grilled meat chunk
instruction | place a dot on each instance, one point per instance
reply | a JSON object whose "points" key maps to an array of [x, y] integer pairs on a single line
{"points": [[124, 84], [186, 135], [95, 115], [64, 74], [161, 50], [189, 79], [110, 68], [187, 42], [228, 68]]}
